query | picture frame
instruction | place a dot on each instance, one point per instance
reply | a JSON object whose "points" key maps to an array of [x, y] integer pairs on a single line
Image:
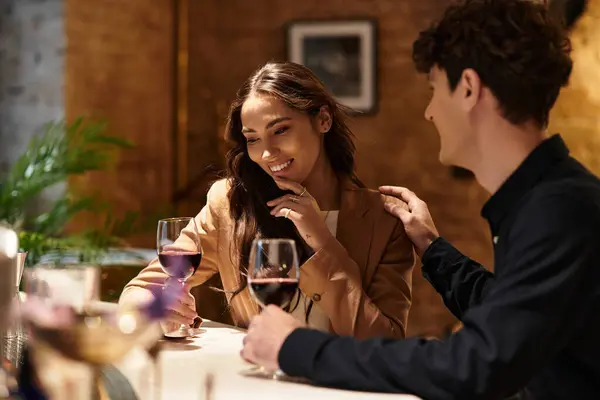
{"points": [[343, 54]]}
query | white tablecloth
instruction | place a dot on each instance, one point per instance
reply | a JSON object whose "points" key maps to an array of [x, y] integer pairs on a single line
{"points": [[185, 365]]}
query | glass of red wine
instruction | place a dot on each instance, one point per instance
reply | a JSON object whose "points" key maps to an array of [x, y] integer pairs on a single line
{"points": [[179, 253], [273, 275]]}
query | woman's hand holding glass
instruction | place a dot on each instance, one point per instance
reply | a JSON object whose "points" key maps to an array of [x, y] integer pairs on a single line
{"points": [[182, 312], [179, 253]]}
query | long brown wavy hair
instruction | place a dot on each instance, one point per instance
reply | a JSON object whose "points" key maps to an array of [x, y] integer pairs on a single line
{"points": [[250, 186]]}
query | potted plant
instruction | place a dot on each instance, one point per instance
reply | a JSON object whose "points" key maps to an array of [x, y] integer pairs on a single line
{"points": [[60, 152]]}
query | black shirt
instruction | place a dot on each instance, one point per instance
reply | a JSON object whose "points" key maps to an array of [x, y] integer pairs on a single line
{"points": [[532, 328]]}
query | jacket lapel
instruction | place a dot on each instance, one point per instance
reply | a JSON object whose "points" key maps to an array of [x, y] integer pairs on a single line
{"points": [[355, 225]]}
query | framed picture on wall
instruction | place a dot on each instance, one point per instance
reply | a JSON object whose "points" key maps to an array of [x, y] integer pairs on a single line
{"points": [[343, 54]]}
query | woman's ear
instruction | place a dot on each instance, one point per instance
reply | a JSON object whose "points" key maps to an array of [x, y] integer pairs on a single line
{"points": [[324, 120]]}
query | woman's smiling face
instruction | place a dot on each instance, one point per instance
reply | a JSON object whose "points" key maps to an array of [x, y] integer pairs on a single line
{"points": [[286, 143]]}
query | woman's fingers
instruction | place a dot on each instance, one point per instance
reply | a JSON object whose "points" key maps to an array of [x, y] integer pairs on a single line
{"points": [[189, 300], [290, 214], [288, 197], [176, 318], [287, 205], [185, 310], [285, 184]]}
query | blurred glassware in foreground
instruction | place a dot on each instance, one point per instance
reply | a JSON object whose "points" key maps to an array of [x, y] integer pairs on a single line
{"points": [[9, 246], [66, 320], [15, 338]]}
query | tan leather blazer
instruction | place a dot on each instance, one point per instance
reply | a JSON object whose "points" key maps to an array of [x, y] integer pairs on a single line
{"points": [[361, 279]]}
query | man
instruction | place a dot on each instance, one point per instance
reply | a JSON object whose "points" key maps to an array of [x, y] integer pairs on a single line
{"points": [[531, 328]]}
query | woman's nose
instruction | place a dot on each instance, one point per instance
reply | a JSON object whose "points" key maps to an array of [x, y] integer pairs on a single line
{"points": [[269, 153]]}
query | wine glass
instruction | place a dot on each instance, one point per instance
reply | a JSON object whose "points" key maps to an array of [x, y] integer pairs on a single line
{"points": [[179, 253], [67, 322], [54, 311], [273, 275], [9, 246]]}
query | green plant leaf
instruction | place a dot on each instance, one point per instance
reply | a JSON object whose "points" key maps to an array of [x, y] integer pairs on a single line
{"points": [[54, 221], [57, 153], [60, 151]]}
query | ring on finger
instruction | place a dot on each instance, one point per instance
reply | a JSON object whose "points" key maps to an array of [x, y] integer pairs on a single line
{"points": [[287, 213], [294, 199], [303, 192]]}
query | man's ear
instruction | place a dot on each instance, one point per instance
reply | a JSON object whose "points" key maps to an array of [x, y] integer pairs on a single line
{"points": [[469, 88]]}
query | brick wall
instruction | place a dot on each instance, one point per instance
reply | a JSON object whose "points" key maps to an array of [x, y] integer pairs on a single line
{"points": [[396, 145]]}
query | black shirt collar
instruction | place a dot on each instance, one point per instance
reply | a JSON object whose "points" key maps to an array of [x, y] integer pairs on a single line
{"points": [[548, 153]]}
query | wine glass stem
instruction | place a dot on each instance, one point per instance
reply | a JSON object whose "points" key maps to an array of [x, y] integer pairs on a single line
{"points": [[157, 378], [96, 384], [182, 281]]}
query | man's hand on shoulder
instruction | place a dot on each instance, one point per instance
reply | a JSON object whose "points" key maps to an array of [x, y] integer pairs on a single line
{"points": [[414, 215]]}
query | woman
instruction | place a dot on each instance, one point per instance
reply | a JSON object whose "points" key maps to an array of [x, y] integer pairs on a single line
{"points": [[290, 173]]}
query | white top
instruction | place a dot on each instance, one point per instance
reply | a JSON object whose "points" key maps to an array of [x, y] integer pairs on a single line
{"points": [[317, 319]]}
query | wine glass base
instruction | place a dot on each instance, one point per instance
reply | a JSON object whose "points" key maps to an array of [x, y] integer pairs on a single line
{"points": [[183, 333], [263, 373]]}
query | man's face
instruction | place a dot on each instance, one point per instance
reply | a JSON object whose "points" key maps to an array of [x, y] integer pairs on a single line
{"points": [[447, 112]]}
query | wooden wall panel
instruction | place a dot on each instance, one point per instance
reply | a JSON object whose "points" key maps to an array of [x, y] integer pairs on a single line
{"points": [[120, 67]]}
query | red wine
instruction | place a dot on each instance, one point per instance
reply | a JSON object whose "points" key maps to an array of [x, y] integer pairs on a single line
{"points": [[178, 264], [278, 291]]}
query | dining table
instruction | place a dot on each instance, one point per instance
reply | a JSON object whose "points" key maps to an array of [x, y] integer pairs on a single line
{"points": [[208, 366]]}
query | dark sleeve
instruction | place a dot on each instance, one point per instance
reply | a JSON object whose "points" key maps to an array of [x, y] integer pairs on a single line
{"points": [[460, 281], [530, 313]]}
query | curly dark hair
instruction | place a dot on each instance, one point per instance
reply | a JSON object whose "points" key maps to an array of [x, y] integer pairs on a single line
{"points": [[518, 49], [568, 11]]}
